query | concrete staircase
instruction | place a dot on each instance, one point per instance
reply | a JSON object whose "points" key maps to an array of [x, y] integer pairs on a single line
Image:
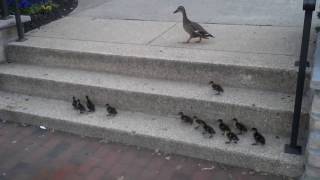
{"points": [[150, 83]]}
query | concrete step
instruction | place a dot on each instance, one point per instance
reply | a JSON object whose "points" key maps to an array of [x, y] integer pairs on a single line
{"points": [[155, 132], [270, 111], [275, 72]]}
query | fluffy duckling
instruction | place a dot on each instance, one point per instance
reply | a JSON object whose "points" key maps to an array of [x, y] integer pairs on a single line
{"points": [[90, 105], [208, 130], [199, 122], [241, 127], [194, 29], [223, 127], [216, 87], [185, 118], [81, 108], [258, 137], [111, 110], [232, 137], [74, 103]]}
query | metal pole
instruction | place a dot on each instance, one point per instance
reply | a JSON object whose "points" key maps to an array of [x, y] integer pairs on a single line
{"points": [[4, 9], [293, 147], [18, 22]]}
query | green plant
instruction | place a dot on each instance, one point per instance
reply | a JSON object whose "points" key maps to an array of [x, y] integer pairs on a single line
{"points": [[43, 8]]}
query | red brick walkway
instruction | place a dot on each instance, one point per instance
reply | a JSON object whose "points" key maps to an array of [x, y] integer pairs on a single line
{"points": [[32, 153]]}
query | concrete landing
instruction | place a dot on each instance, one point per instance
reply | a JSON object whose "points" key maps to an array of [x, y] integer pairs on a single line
{"points": [[253, 12], [229, 38]]}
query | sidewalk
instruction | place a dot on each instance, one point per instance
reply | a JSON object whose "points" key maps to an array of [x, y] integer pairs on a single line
{"points": [[31, 153]]}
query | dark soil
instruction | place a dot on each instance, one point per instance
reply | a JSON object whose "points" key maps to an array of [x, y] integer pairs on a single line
{"points": [[37, 20]]}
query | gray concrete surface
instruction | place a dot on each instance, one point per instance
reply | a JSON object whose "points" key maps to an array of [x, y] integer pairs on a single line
{"points": [[8, 33], [11, 22], [273, 48], [232, 69], [154, 132], [234, 38], [269, 111], [253, 12]]}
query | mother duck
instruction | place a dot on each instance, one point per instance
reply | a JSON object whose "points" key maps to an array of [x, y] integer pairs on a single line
{"points": [[194, 29]]}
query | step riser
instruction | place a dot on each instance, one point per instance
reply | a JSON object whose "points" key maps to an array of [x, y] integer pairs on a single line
{"points": [[227, 75], [269, 121], [166, 145]]}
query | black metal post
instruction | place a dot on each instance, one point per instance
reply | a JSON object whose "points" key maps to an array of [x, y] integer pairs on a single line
{"points": [[18, 22], [293, 147], [4, 9]]}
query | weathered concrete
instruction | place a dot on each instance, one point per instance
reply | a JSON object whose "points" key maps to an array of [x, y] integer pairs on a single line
{"points": [[252, 39], [254, 12], [11, 22], [313, 146], [115, 31], [164, 133], [249, 51], [270, 111], [230, 38], [8, 33], [233, 69]]}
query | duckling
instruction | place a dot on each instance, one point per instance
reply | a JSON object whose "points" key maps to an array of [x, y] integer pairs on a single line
{"points": [[232, 137], [192, 28], [216, 87], [208, 130], [241, 127], [90, 105], [111, 110], [185, 118], [258, 137], [199, 122], [223, 127], [74, 103], [81, 108]]}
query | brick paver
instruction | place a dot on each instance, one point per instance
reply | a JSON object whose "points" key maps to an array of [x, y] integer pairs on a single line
{"points": [[32, 153]]}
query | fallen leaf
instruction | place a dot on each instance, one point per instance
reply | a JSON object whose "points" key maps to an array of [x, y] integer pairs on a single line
{"points": [[208, 168]]}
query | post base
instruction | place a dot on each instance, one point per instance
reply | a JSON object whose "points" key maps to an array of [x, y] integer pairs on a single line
{"points": [[292, 149], [21, 40]]}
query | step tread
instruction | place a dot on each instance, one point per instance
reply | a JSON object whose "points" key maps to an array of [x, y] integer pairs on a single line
{"points": [[154, 127], [154, 52], [234, 96]]}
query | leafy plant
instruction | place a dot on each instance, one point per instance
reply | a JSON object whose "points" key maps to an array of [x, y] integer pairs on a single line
{"points": [[29, 7]]}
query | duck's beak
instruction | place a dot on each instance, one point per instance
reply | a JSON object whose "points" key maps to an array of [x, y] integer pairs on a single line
{"points": [[175, 11]]}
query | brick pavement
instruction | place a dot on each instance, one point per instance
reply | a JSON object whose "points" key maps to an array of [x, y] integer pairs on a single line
{"points": [[32, 153]]}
